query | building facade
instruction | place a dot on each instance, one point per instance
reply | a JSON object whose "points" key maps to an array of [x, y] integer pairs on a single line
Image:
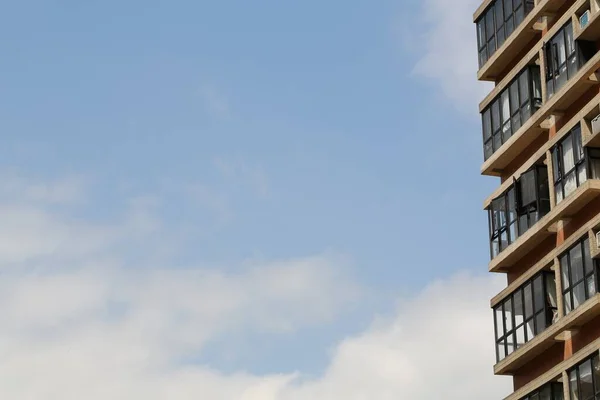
{"points": [[541, 137]]}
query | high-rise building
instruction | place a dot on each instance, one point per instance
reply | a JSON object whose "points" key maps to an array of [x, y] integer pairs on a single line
{"points": [[541, 137]]}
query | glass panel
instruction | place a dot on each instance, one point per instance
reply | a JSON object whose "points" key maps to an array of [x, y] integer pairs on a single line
{"points": [[558, 191], [537, 85], [496, 115], [481, 39], [540, 322], [524, 86], [570, 183], [530, 328], [596, 371], [506, 132], [509, 26], [508, 315], [508, 9], [528, 301], [573, 385], [570, 48], [499, 14], [521, 336], [595, 168], [504, 240], [567, 302], [587, 258], [555, 164], [519, 16], [564, 269], [568, 155], [562, 51], [482, 57], [557, 390], [518, 307], [538, 294], [578, 295], [591, 285], [510, 345], [489, 22], [514, 97], [586, 384], [487, 125], [501, 351], [504, 101], [546, 393], [576, 260], [527, 186], [581, 174], [570, 42], [516, 122], [499, 322]]}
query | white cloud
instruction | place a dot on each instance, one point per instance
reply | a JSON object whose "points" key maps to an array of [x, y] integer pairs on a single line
{"points": [[448, 51], [92, 326]]}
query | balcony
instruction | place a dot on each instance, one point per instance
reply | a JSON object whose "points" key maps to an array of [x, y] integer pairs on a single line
{"points": [[591, 31], [577, 318], [517, 42], [585, 78], [545, 226]]}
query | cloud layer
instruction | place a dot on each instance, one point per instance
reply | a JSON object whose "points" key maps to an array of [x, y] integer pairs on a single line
{"points": [[81, 321], [448, 52]]}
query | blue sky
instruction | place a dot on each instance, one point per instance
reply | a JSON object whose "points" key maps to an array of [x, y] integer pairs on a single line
{"points": [[249, 133]]}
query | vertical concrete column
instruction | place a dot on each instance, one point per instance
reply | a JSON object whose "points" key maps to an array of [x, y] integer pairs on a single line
{"points": [[542, 63], [566, 391]]}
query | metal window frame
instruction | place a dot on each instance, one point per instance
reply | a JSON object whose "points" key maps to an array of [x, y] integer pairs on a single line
{"points": [[554, 387], [496, 232], [545, 310], [578, 151], [568, 290], [593, 359], [526, 5], [525, 109]]}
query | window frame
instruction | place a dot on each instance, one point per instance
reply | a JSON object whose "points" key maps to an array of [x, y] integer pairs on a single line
{"points": [[500, 220], [591, 271], [554, 389], [523, 102], [540, 317], [575, 372], [513, 13], [581, 163]]}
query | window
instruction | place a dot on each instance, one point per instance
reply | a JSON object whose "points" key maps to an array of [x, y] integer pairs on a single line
{"points": [[579, 275], [551, 391], [564, 57], [525, 313], [497, 23], [584, 380], [511, 109], [571, 163], [519, 208]]}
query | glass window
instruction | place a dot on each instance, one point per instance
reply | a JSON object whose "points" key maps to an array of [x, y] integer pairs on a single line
{"points": [[497, 23], [570, 165], [579, 276], [550, 391], [518, 209], [583, 380], [511, 109], [524, 314], [561, 59]]}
